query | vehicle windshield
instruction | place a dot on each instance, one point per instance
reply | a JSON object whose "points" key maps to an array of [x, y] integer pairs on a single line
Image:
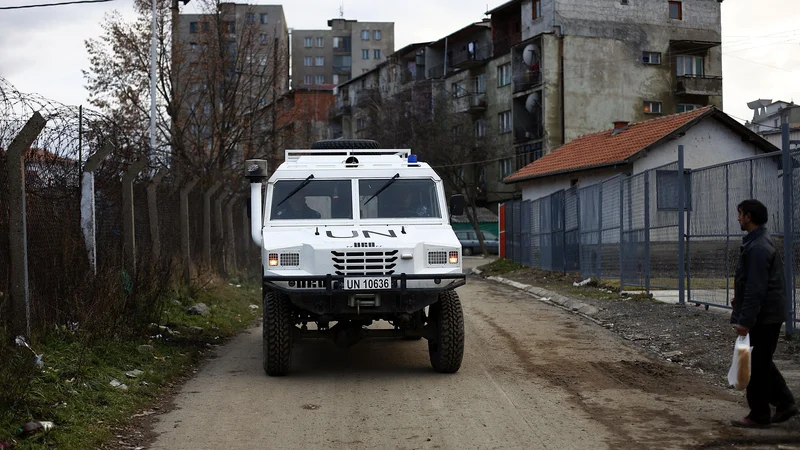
{"points": [[403, 198], [318, 199]]}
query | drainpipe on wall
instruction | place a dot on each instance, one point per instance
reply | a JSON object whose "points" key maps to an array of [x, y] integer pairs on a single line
{"points": [[561, 81]]}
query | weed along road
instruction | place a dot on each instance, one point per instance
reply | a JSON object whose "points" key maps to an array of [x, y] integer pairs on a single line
{"points": [[533, 376]]}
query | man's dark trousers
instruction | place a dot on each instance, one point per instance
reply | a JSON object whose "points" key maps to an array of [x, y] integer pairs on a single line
{"points": [[767, 386]]}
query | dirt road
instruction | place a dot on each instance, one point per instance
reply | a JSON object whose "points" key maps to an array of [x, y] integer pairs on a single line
{"points": [[533, 377]]}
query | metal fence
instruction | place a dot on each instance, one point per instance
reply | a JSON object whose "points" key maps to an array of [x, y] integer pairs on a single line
{"points": [[667, 228]]}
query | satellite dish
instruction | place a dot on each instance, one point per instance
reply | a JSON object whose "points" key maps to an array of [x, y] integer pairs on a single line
{"points": [[530, 55], [532, 102]]}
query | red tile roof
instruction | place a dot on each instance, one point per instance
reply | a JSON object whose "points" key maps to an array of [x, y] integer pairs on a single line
{"points": [[603, 148]]}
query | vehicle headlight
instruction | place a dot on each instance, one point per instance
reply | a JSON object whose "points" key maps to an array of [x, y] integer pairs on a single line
{"points": [[289, 259], [453, 257]]}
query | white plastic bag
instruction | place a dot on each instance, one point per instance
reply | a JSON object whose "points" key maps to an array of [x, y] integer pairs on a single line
{"points": [[739, 374]]}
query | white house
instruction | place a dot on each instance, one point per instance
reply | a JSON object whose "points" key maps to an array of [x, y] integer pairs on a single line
{"points": [[709, 137]]}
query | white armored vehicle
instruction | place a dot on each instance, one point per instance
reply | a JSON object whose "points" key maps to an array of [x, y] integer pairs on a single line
{"points": [[350, 235]]}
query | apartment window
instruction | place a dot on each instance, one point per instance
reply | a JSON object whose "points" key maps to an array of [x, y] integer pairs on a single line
{"points": [[457, 131], [320, 61], [504, 75], [206, 109], [231, 27], [251, 17], [364, 35], [480, 84], [623, 2], [361, 123], [308, 61], [320, 42], [364, 54], [480, 128], [537, 9], [308, 42], [308, 79], [192, 27], [689, 66], [194, 46], [205, 26], [651, 58], [652, 107], [376, 35], [458, 90], [505, 167], [320, 79], [262, 38], [336, 79], [676, 10], [376, 54], [682, 107], [504, 122], [264, 18]]}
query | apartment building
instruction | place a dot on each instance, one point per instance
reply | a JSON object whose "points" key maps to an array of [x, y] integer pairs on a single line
{"points": [[336, 55]]}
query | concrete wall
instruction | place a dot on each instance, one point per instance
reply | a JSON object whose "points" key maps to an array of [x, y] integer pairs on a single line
{"points": [[545, 186]]}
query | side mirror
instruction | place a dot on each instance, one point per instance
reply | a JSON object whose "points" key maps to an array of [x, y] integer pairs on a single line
{"points": [[457, 204]]}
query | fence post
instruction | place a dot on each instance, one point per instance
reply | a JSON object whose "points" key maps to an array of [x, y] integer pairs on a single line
{"points": [[681, 225], [152, 211], [219, 227], [207, 221], [788, 233], [88, 211], [230, 243], [621, 229], [186, 245], [727, 237], [647, 231], [128, 225], [599, 267], [17, 231]]}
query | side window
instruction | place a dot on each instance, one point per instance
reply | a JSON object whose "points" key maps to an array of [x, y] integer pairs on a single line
{"points": [[461, 235], [471, 236]]}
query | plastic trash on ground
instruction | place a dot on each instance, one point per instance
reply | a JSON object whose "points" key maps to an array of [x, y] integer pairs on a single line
{"points": [[582, 283], [739, 373]]}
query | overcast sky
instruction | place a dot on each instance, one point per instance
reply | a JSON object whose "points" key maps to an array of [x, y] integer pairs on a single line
{"points": [[42, 49]]}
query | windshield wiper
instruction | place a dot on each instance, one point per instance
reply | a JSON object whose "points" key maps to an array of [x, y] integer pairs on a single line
{"points": [[297, 189], [383, 188]]}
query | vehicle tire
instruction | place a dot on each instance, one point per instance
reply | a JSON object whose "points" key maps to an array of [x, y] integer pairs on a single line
{"points": [[467, 251], [446, 351], [277, 334], [345, 144]]}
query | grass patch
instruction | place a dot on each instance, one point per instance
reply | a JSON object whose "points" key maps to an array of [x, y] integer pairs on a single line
{"points": [[500, 267], [72, 389]]}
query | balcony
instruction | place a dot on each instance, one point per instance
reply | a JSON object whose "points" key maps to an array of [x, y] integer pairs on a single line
{"points": [[527, 81], [365, 96], [528, 133], [698, 85], [343, 109], [477, 104], [465, 59], [436, 71], [342, 69]]}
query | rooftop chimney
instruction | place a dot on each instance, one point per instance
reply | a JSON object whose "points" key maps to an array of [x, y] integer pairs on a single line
{"points": [[619, 127]]}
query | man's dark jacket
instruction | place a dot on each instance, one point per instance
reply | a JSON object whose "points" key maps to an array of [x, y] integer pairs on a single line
{"points": [[759, 290]]}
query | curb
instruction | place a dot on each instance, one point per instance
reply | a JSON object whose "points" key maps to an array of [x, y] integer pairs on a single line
{"points": [[551, 298]]}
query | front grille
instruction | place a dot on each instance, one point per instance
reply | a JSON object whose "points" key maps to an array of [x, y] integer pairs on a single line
{"points": [[364, 263], [437, 258], [290, 259]]}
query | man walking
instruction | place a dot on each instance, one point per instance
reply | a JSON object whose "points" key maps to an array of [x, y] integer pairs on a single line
{"points": [[758, 309]]}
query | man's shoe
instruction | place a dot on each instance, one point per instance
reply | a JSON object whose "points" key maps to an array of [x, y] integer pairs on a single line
{"points": [[747, 422], [784, 414]]}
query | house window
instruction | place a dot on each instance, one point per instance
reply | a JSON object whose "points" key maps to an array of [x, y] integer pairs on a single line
{"points": [[192, 27], [376, 35], [251, 17], [652, 107], [667, 190], [504, 75], [231, 27], [264, 18], [676, 10], [308, 61], [689, 66], [504, 122], [361, 123], [686, 107], [480, 84], [537, 9], [574, 182], [308, 42], [651, 58], [263, 38], [320, 61], [457, 130], [320, 42], [364, 35], [308, 79], [505, 167], [320, 79], [623, 2], [194, 46], [480, 128], [458, 90], [365, 54], [376, 54]]}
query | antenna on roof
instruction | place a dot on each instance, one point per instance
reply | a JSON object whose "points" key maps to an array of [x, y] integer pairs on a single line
{"points": [[341, 10]]}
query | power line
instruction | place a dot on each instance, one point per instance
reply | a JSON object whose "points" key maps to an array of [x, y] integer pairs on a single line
{"points": [[43, 5]]}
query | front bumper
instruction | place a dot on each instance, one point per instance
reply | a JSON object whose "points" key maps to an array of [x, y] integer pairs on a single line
{"points": [[333, 284]]}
